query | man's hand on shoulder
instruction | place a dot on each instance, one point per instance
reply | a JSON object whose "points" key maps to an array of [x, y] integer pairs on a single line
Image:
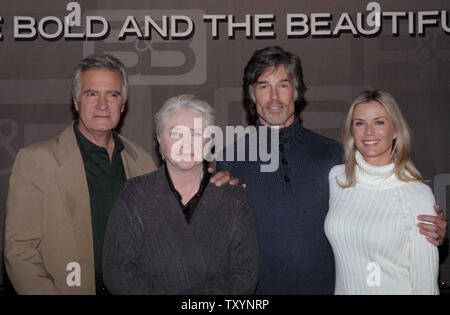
{"points": [[223, 177], [435, 228]]}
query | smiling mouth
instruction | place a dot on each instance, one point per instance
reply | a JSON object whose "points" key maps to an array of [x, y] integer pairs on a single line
{"points": [[370, 142], [275, 108]]}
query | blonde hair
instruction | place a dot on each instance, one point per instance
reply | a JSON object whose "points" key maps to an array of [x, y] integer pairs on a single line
{"points": [[404, 168]]}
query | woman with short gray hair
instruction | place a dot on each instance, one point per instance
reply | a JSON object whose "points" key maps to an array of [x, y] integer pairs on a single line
{"points": [[170, 231]]}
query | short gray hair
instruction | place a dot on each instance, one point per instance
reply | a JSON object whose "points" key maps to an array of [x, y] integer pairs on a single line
{"points": [[185, 101], [100, 62]]}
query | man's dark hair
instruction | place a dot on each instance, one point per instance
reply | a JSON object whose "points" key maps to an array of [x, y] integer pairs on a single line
{"points": [[260, 62]]}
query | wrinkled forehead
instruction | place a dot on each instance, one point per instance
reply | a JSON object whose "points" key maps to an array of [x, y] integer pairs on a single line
{"points": [[101, 77]]}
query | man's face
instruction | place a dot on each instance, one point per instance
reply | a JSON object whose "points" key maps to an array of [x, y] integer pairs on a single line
{"points": [[99, 101], [274, 98]]}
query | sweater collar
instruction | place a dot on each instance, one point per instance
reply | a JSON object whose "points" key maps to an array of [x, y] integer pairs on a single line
{"points": [[289, 135], [293, 133], [375, 176]]}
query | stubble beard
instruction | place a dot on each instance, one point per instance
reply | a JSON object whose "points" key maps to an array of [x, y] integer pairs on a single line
{"points": [[276, 119]]}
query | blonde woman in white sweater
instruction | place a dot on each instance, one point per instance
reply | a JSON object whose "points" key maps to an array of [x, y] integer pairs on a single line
{"points": [[375, 198]]}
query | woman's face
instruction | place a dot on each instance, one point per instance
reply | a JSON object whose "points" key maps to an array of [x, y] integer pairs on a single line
{"points": [[181, 140], [373, 132]]}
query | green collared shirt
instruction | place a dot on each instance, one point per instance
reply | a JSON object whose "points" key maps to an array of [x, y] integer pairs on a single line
{"points": [[105, 178]]}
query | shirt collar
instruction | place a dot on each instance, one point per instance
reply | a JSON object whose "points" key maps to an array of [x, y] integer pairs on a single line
{"points": [[86, 146], [204, 182]]}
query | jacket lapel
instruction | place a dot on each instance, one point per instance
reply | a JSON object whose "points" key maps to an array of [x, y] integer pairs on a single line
{"points": [[72, 183], [129, 162], [132, 166]]}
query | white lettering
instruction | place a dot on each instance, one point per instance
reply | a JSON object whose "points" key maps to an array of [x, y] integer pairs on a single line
{"points": [[301, 21], [26, 23], [374, 277], [173, 26], [259, 25], [74, 277]]}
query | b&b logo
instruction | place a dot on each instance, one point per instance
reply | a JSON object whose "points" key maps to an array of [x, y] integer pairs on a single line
{"points": [[157, 61]]}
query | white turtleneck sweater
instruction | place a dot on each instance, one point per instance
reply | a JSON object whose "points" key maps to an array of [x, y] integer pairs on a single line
{"points": [[372, 229]]}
